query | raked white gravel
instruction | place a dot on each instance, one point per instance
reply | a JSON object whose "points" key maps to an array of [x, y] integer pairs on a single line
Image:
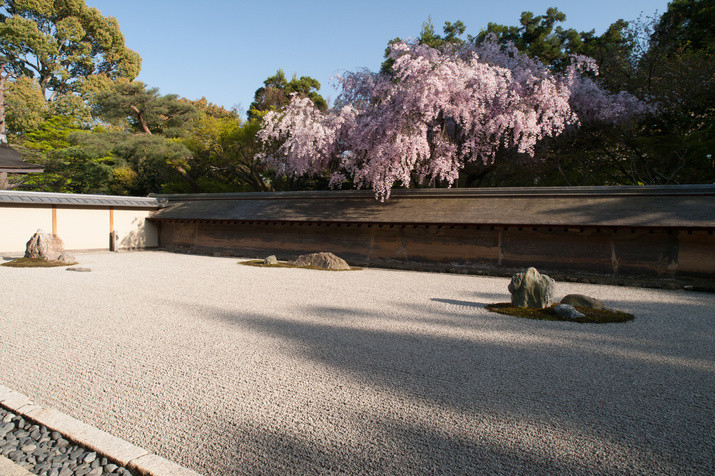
{"points": [[231, 369]]}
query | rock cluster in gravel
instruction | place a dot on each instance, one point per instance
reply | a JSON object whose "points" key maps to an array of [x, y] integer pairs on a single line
{"points": [[44, 246], [532, 289], [42, 451], [325, 260]]}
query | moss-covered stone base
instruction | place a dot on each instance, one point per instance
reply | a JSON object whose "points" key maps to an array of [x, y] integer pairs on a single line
{"points": [[35, 263], [259, 264], [593, 316]]}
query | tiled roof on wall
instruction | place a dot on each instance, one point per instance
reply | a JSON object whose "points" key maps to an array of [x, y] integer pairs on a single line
{"points": [[8, 198], [685, 206]]}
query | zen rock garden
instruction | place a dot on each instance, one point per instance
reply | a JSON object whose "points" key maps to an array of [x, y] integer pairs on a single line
{"points": [[48, 247], [44, 250], [323, 260], [532, 295]]}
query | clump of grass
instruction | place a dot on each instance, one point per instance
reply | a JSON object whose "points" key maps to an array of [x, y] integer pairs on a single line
{"points": [[593, 316], [260, 264], [35, 263]]}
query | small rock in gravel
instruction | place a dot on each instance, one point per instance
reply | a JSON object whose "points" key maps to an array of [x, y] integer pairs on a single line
{"points": [[61, 442], [35, 434], [65, 472], [81, 467], [54, 472], [56, 435], [567, 311], [15, 455], [90, 457], [103, 461], [29, 448], [109, 468], [6, 428], [95, 472]]}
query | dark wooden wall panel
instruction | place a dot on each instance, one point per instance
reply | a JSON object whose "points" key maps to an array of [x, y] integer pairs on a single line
{"points": [[587, 250], [696, 253], [642, 252], [592, 250]]}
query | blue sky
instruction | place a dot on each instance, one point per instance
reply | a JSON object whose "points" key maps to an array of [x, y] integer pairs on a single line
{"points": [[224, 49]]}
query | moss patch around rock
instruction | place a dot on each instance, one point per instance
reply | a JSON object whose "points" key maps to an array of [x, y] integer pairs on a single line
{"points": [[259, 264], [35, 263], [593, 316]]}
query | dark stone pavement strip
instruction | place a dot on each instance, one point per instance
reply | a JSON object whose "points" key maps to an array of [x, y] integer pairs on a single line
{"points": [[41, 451], [29, 438]]}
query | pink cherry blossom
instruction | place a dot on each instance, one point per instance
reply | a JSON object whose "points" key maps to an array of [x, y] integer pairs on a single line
{"points": [[438, 111]]}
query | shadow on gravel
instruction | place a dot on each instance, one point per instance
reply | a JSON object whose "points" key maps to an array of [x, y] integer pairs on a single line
{"points": [[384, 447], [454, 302], [629, 389]]}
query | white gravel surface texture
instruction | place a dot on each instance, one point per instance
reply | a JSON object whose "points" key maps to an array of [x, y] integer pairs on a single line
{"points": [[231, 369]]}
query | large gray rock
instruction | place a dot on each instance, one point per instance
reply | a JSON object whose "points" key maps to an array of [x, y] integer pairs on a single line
{"points": [[531, 289], [583, 301], [45, 246], [271, 260], [323, 260]]}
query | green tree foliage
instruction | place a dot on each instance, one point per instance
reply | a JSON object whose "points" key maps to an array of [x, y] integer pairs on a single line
{"points": [[63, 43], [66, 170], [26, 109], [144, 110], [160, 164], [203, 106], [226, 151], [686, 25], [97, 161], [667, 61], [539, 36], [452, 33], [277, 90]]}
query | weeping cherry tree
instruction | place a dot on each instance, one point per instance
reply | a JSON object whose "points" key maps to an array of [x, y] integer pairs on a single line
{"points": [[436, 111]]}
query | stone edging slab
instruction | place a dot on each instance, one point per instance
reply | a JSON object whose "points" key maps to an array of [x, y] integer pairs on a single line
{"points": [[136, 459], [9, 468]]}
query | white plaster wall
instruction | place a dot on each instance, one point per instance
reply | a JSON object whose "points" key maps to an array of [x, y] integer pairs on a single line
{"points": [[133, 229], [18, 224], [83, 229]]}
